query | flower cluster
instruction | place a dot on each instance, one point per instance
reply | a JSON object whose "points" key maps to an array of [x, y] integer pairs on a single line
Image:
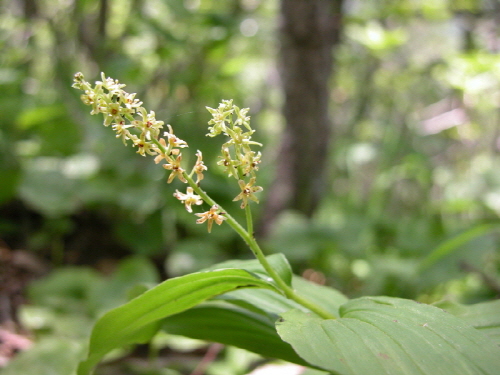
{"points": [[131, 122], [238, 159]]}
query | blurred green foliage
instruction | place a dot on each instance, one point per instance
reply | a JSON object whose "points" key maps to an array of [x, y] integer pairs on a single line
{"points": [[415, 190], [413, 163], [61, 169], [63, 308], [415, 156]]}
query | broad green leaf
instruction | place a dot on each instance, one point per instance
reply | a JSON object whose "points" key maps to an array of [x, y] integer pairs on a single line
{"points": [[483, 316], [231, 325], [311, 371], [277, 261], [328, 298], [125, 325], [383, 335], [261, 301], [273, 303]]}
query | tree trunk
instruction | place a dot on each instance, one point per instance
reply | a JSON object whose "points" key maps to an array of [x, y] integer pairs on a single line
{"points": [[309, 30]]}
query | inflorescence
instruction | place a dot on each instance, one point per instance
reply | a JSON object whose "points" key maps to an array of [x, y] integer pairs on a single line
{"points": [[131, 122]]}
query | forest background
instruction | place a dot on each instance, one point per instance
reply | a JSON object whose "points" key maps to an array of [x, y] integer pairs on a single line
{"points": [[380, 125]]}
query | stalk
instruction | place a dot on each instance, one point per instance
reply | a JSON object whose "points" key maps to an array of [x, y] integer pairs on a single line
{"points": [[114, 112], [257, 251]]}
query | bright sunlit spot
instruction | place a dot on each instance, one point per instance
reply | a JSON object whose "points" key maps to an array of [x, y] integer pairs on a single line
{"points": [[249, 27]]}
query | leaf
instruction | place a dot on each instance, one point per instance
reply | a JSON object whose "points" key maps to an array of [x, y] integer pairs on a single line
{"points": [[483, 316], [249, 322], [231, 325], [328, 298], [125, 325], [383, 335], [277, 261], [273, 303], [261, 301]]}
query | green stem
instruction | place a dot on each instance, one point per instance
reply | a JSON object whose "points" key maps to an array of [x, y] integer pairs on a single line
{"points": [[287, 290], [247, 236], [257, 251], [248, 213]]}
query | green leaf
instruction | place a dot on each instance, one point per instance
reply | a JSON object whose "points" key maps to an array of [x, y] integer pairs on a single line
{"points": [[383, 335], [328, 298], [483, 316], [261, 301], [277, 261], [125, 324], [275, 304], [231, 325]]}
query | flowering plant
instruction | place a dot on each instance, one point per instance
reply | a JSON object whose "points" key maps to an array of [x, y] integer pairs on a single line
{"points": [[260, 305]]}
